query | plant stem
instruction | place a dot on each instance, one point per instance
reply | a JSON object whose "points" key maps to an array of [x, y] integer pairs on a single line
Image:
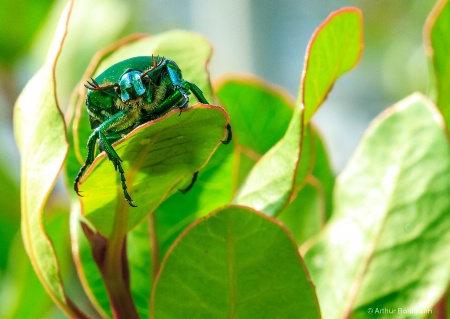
{"points": [[440, 309], [115, 268]]}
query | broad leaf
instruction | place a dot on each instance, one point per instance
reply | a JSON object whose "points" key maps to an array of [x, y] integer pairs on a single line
{"points": [[268, 185], [40, 134], [322, 173], [438, 49], [159, 158], [310, 204], [235, 263], [392, 215], [334, 49], [304, 216], [255, 107], [272, 180], [213, 189]]}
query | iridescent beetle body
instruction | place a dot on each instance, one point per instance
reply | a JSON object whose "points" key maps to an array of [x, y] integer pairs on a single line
{"points": [[128, 94]]}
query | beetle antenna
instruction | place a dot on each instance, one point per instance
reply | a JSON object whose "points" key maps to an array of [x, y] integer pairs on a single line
{"points": [[154, 66], [96, 87]]}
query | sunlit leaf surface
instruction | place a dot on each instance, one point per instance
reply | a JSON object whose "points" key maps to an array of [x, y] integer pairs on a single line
{"points": [[334, 49], [43, 151], [392, 216], [255, 108]]}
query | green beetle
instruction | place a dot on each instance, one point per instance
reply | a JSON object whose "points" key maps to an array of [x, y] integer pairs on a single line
{"points": [[128, 94]]}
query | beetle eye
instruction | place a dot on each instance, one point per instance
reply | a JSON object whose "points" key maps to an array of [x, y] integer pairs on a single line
{"points": [[117, 89], [131, 85]]}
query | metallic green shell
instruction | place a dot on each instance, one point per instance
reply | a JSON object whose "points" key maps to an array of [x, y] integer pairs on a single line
{"points": [[104, 101], [113, 73]]}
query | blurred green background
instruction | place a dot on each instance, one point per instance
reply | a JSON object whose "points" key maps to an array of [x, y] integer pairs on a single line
{"points": [[261, 37]]}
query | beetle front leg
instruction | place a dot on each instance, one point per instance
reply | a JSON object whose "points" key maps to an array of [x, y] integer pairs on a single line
{"points": [[89, 159], [196, 90], [175, 78]]}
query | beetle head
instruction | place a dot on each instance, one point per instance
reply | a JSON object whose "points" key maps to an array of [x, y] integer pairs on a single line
{"points": [[131, 85]]}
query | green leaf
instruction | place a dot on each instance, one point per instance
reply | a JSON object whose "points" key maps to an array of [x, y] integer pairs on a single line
{"points": [[235, 263], [438, 49], [334, 49], [309, 206], [322, 173], [304, 216], [213, 189], [42, 155], [391, 219], [269, 184], [255, 108], [159, 157]]}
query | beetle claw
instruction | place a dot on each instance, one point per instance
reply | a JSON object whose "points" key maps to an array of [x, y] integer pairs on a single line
{"points": [[92, 85], [77, 191]]}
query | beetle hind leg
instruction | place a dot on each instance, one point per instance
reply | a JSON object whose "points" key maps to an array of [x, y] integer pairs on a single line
{"points": [[188, 188], [229, 135]]}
